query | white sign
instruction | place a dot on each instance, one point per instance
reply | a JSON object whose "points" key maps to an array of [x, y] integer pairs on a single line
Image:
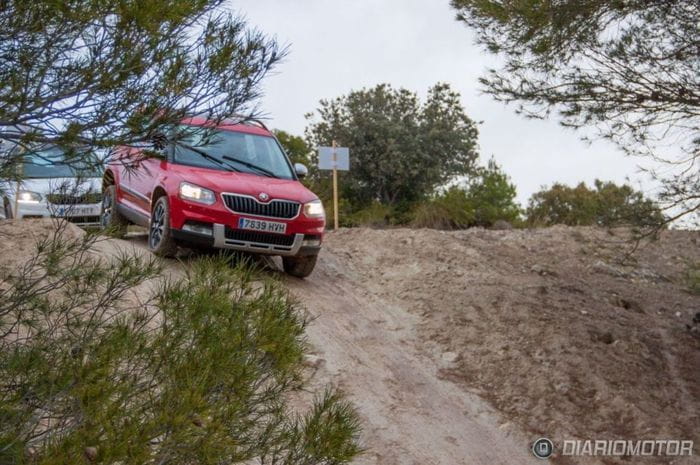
{"points": [[334, 158]]}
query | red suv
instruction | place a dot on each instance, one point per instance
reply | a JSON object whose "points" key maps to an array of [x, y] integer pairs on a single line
{"points": [[228, 187]]}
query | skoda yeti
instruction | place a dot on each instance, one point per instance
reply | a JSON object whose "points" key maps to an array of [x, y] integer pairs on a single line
{"points": [[227, 187]]}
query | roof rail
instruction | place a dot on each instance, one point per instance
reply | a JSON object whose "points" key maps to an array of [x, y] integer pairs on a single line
{"points": [[255, 121], [238, 119]]}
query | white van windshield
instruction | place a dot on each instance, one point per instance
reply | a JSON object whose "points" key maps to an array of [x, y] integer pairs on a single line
{"points": [[52, 163]]}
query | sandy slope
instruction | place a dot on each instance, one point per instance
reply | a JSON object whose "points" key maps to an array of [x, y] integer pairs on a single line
{"points": [[369, 346], [463, 347], [421, 327]]}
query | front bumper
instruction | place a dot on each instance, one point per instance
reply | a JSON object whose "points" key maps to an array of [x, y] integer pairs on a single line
{"points": [[84, 215], [303, 235], [301, 245]]}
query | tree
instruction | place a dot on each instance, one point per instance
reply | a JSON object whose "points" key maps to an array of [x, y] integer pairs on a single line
{"points": [[92, 74], [492, 196], [401, 149], [299, 151], [606, 205], [89, 372], [484, 199], [295, 146], [96, 367], [629, 68]]}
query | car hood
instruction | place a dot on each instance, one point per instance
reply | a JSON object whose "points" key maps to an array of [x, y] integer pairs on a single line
{"points": [[46, 186], [247, 184]]}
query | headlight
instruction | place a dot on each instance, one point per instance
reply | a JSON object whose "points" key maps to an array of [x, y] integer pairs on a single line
{"points": [[196, 194], [28, 197], [314, 209]]}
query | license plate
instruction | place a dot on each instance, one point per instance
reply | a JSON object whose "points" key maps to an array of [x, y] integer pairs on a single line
{"points": [[261, 225], [77, 210]]}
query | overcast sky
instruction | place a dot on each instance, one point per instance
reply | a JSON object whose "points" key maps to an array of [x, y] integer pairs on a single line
{"points": [[340, 45]]}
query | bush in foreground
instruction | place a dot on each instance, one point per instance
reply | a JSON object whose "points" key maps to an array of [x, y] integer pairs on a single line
{"points": [[199, 373]]}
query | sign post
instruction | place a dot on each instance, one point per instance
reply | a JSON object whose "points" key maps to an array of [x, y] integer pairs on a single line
{"points": [[335, 187], [337, 159]]}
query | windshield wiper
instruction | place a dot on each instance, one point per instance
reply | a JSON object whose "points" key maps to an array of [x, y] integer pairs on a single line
{"points": [[204, 154], [257, 168]]}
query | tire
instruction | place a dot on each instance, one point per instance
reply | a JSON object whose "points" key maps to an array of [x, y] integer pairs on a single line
{"points": [[299, 267], [7, 209], [160, 240], [110, 219]]}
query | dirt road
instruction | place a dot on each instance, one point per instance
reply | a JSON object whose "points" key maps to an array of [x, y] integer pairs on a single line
{"points": [[369, 346], [464, 347]]}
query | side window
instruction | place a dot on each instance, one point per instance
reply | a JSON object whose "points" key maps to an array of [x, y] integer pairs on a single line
{"points": [[170, 152]]}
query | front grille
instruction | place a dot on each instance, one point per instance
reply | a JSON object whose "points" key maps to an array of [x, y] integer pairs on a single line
{"points": [[68, 199], [259, 237], [284, 209]]}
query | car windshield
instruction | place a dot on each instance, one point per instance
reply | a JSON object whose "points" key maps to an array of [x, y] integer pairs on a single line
{"points": [[235, 151], [51, 163]]}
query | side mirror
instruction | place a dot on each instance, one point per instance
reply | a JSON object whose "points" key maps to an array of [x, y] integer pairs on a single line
{"points": [[159, 140], [301, 170]]}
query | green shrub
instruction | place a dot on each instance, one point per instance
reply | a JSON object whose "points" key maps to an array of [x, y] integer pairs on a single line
{"points": [[487, 198], [450, 210], [374, 215], [492, 196], [607, 204], [199, 373], [692, 278]]}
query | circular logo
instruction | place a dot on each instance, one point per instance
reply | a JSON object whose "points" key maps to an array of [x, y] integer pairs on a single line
{"points": [[543, 448], [263, 196]]}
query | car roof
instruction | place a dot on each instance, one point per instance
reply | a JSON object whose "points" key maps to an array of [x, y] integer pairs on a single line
{"points": [[247, 128]]}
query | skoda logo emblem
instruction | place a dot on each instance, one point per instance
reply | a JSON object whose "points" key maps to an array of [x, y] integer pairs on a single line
{"points": [[263, 196]]}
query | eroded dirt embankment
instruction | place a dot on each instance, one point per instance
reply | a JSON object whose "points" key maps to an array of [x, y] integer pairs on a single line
{"points": [[546, 325], [462, 347]]}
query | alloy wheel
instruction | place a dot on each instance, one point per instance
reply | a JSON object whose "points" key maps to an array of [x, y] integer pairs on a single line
{"points": [[157, 226], [106, 209]]}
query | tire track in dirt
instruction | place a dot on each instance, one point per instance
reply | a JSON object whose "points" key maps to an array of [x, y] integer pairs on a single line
{"points": [[367, 346], [371, 351]]}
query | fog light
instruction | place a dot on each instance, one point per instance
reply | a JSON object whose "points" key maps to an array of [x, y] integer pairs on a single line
{"points": [[311, 243], [204, 229]]}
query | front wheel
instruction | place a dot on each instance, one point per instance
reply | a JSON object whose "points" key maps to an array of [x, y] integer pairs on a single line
{"points": [[299, 267], [160, 240]]}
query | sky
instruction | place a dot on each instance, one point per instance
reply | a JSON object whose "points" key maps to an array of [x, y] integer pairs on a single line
{"points": [[336, 46]]}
